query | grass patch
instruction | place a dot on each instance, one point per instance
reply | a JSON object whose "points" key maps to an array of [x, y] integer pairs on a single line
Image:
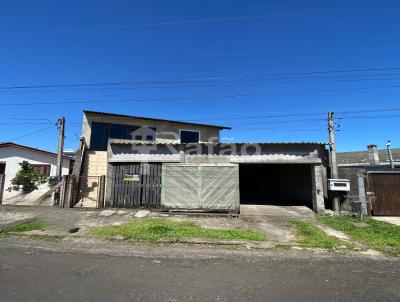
{"points": [[313, 237], [378, 235], [25, 227], [156, 229]]}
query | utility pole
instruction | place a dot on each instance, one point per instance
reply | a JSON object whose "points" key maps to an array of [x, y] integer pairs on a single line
{"points": [[332, 154], [389, 149], [60, 149]]}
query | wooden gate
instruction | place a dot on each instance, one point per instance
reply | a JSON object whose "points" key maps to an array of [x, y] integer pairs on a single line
{"points": [[136, 185], [386, 188]]}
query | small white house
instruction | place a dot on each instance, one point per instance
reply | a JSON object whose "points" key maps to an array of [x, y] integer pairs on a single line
{"points": [[12, 154]]}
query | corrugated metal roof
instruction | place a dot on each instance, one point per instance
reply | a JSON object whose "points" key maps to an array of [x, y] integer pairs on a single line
{"points": [[363, 156], [136, 142], [154, 119], [23, 147]]}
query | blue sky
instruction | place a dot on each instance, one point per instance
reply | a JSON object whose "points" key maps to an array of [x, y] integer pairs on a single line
{"points": [[236, 63]]}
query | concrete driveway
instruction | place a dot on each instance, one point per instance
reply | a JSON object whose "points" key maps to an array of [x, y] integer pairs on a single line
{"points": [[280, 211], [390, 219]]}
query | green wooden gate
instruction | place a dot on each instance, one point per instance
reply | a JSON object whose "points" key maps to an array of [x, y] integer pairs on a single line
{"points": [[208, 187]]}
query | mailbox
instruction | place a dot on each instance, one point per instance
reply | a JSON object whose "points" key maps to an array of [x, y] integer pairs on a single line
{"points": [[342, 185]]}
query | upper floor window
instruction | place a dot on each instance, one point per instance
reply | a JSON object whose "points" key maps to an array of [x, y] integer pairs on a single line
{"points": [[189, 136], [102, 132]]}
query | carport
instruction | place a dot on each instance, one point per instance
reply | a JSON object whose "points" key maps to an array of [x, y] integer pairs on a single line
{"points": [[276, 184]]}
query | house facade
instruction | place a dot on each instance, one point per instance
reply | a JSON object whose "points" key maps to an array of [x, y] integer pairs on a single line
{"points": [[11, 155], [179, 165]]}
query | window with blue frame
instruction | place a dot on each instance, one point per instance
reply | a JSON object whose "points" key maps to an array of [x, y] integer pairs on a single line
{"points": [[101, 132]]}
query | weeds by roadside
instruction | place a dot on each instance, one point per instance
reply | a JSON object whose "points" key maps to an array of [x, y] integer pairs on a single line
{"points": [[25, 227], [312, 236], [157, 229], [378, 235]]}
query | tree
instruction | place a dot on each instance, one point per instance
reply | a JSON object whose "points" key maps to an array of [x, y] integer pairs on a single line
{"points": [[27, 180]]}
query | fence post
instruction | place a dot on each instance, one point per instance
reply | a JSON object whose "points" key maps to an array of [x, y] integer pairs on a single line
{"points": [[101, 191], [63, 190], [2, 180], [362, 195]]}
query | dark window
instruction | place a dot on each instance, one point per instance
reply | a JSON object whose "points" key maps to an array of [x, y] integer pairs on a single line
{"points": [[138, 137], [189, 136], [2, 168], [150, 138], [44, 169], [101, 132]]}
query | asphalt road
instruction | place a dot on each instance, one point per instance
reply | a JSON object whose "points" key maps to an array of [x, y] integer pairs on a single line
{"points": [[33, 275]]}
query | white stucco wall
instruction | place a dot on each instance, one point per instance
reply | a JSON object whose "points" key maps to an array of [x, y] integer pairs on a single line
{"points": [[12, 156]]}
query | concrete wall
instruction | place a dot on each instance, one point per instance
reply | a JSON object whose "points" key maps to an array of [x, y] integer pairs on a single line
{"points": [[95, 163], [166, 131], [13, 156]]}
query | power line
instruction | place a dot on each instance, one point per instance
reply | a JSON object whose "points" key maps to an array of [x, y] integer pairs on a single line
{"points": [[186, 80], [249, 117], [27, 134], [183, 22], [247, 82], [196, 98], [25, 124]]}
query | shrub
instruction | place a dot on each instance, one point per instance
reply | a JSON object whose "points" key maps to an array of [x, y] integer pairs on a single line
{"points": [[26, 180]]}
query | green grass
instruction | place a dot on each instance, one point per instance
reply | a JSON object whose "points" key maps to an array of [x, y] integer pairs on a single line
{"points": [[313, 237], [25, 227], [157, 229], [377, 235]]}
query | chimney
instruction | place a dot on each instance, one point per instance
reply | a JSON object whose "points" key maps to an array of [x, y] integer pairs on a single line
{"points": [[373, 155]]}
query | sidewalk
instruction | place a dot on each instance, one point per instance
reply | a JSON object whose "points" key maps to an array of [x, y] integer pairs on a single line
{"points": [[389, 219], [275, 227]]}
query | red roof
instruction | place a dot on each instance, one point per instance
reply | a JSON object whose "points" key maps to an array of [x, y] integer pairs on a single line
{"points": [[22, 147]]}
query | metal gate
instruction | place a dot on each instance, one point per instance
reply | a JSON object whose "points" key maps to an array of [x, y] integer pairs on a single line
{"points": [[83, 192], [136, 185], [200, 187], [386, 189]]}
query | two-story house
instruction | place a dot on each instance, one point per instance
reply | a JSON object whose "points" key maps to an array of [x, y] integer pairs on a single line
{"points": [[157, 163]]}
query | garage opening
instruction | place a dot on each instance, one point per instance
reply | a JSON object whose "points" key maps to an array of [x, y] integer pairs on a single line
{"points": [[276, 184]]}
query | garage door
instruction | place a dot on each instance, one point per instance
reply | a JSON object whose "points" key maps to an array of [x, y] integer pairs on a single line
{"points": [[200, 187], [276, 184]]}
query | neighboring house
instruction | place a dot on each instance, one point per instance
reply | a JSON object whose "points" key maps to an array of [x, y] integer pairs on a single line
{"points": [[168, 164], [12, 154], [372, 161], [371, 156]]}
